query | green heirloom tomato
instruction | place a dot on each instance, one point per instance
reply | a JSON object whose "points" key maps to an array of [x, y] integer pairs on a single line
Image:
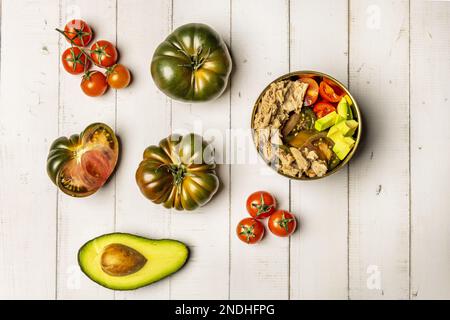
{"points": [[81, 164], [179, 173], [192, 65]]}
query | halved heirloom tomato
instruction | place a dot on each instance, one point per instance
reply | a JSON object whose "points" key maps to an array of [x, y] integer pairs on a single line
{"points": [[81, 164], [179, 173]]}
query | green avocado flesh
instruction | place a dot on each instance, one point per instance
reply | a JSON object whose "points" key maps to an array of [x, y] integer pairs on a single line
{"points": [[122, 261]]}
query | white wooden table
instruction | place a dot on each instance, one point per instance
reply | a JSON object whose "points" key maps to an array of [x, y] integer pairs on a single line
{"points": [[378, 229]]}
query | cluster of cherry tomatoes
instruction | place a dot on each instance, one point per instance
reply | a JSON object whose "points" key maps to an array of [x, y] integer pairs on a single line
{"points": [[78, 59], [329, 92], [262, 205]]}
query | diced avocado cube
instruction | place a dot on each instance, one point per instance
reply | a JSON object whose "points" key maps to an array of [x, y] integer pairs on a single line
{"points": [[342, 109], [350, 141], [338, 136], [349, 100], [341, 148], [349, 109], [325, 122], [347, 128], [343, 127], [333, 130], [340, 118], [353, 125]]}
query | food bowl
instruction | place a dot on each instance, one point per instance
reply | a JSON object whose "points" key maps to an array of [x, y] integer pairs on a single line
{"points": [[353, 110]]}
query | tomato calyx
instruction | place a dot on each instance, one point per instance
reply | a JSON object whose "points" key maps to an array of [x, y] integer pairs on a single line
{"points": [[110, 70], [100, 52], [178, 172], [76, 59], [196, 60], [262, 207], [83, 50], [78, 34], [284, 222], [88, 74], [248, 232]]}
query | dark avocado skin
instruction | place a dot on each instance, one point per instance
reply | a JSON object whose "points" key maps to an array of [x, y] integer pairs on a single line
{"points": [[192, 65], [83, 269]]}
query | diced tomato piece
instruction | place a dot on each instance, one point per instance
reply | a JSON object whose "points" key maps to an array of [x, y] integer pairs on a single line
{"points": [[313, 91], [322, 108], [331, 93]]}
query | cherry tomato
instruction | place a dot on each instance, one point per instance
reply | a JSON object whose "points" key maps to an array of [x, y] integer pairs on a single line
{"points": [[118, 76], [79, 32], [313, 91], [282, 223], [104, 53], [329, 93], [322, 108], [339, 91], [250, 230], [75, 61], [261, 204], [94, 83]]}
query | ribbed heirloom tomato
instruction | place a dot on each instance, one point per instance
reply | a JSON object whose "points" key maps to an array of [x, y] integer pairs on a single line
{"points": [[193, 64], [261, 204], [179, 173], [250, 230]]}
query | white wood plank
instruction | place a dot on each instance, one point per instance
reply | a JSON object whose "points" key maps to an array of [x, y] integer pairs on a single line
{"points": [[83, 219], [379, 175], [143, 119], [430, 111], [260, 47], [205, 230], [319, 249], [28, 121]]}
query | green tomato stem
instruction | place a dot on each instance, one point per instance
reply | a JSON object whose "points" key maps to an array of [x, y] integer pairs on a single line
{"points": [[85, 51]]}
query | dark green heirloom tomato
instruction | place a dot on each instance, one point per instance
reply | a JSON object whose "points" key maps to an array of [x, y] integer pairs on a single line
{"points": [[179, 173], [192, 65], [81, 164]]}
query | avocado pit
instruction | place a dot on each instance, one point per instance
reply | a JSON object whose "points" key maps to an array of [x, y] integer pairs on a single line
{"points": [[119, 260]]}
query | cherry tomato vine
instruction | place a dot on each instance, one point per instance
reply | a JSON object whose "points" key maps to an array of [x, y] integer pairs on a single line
{"points": [[102, 54]]}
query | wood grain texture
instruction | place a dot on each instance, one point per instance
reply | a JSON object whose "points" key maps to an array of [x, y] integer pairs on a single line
{"points": [[430, 137], [379, 174], [206, 229], [260, 46], [143, 101], [318, 262], [28, 121], [389, 218], [80, 220]]}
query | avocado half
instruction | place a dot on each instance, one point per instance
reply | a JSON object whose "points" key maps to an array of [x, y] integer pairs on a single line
{"points": [[122, 261]]}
